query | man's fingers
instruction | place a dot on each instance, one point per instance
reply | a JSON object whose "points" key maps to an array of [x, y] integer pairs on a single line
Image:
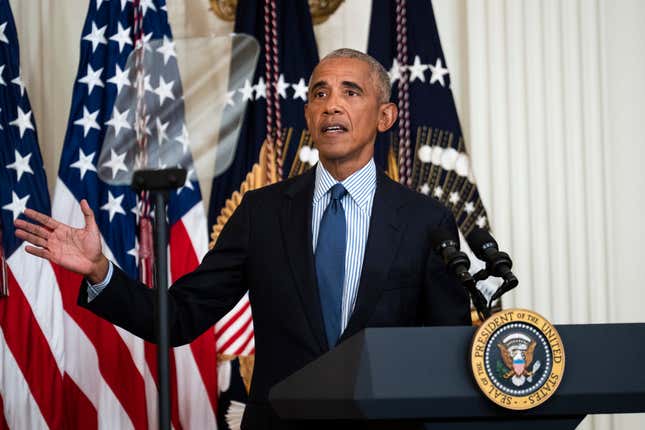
{"points": [[31, 238], [87, 212], [38, 252], [43, 219], [32, 228]]}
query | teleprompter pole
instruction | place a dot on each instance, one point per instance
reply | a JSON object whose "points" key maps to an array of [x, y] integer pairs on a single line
{"points": [[159, 183]]}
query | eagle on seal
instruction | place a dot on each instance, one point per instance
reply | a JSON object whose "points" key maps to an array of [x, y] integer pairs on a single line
{"points": [[518, 362]]}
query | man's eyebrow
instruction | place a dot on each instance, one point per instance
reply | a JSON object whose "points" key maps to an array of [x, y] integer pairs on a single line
{"points": [[318, 85], [353, 85]]}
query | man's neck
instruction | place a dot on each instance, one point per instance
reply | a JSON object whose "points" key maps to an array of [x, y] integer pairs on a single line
{"points": [[341, 170]]}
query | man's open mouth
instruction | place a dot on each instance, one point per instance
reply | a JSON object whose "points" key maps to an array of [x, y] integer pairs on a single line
{"points": [[334, 128]]}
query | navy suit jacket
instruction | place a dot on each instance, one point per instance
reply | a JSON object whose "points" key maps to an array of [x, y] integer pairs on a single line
{"points": [[266, 248]]}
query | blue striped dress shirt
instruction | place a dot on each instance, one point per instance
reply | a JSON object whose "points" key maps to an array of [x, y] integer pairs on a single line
{"points": [[357, 203]]}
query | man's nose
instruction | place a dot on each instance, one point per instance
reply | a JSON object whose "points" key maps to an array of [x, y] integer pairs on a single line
{"points": [[332, 104]]}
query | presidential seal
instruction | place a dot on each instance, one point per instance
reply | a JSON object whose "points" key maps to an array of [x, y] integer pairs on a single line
{"points": [[517, 358]]}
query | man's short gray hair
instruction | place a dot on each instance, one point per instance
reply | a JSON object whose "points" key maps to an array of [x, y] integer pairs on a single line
{"points": [[379, 74]]}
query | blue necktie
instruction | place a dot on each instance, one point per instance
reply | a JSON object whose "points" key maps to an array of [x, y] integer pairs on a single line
{"points": [[330, 263]]}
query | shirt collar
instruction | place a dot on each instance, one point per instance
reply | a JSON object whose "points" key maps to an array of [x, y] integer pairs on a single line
{"points": [[359, 185]]}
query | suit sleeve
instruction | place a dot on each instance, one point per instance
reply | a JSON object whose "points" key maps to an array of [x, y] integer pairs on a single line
{"points": [[196, 301], [447, 302]]}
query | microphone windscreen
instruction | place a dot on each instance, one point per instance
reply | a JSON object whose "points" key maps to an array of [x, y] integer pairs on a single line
{"points": [[440, 236], [479, 241]]}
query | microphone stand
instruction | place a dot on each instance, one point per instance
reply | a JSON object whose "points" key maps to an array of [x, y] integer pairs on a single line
{"points": [[509, 283], [160, 183], [477, 297]]}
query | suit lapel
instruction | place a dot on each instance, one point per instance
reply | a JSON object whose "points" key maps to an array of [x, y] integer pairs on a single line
{"points": [[382, 243], [295, 221]]}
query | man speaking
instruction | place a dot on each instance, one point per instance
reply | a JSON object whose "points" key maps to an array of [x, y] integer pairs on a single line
{"points": [[323, 255]]}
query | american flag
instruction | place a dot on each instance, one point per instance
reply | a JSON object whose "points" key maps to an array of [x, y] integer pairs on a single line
{"points": [[435, 161], [31, 315], [276, 95], [109, 374]]}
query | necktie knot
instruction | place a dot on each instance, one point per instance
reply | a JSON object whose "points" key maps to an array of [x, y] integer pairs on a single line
{"points": [[338, 191]]}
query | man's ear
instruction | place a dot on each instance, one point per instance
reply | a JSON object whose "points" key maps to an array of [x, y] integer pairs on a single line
{"points": [[388, 114]]}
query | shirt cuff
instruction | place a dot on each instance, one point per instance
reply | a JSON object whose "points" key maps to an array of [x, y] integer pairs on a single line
{"points": [[94, 290]]}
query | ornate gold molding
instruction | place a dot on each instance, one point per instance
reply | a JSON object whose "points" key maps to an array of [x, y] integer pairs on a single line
{"points": [[320, 9]]}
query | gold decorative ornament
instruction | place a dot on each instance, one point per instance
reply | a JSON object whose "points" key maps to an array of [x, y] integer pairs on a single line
{"points": [[224, 9], [517, 359], [256, 178], [320, 9]]}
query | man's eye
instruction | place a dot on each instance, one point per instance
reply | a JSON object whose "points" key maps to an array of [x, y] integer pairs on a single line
{"points": [[319, 94], [352, 93]]}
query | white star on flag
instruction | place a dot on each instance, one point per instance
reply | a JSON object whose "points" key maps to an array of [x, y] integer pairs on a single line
{"points": [[260, 89], [481, 221], [120, 79], [300, 90], [3, 37], [164, 90], [187, 183], [417, 70], [2, 82], [92, 79], [88, 121], [144, 42], [146, 84], [469, 207], [116, 163], [425, 189], [23, 121], [119, 120], [96, 36], [167, 49], [99, 3], [122, 37], [84, 163], [20, 164], [17, 205], [135, 251], [395, 72], [145, 4], [229, 98], [247, 91], [281, 86], [161, 130], [18, 81], [438, 192], [113, 206], [184, 139], [438, 72], [454, 198]]}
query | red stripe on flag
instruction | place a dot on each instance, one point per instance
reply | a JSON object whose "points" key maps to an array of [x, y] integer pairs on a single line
{"points": [[237, 334], [233, 318], [249, 338], [31, 351], [183, 260], [115, 362], [79, 411]]}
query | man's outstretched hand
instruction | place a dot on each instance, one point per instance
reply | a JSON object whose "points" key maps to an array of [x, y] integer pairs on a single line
{"points": [[75, 249]]}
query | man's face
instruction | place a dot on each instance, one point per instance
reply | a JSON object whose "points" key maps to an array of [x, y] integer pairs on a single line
{"points": [[344, 113]]}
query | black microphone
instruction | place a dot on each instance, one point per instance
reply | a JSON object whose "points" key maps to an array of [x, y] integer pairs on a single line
{"points": [[458, 263], [498, 263], [448, 248]]}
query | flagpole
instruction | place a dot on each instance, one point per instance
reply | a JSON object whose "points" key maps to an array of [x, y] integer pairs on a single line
{"points": [[160, 182]]}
